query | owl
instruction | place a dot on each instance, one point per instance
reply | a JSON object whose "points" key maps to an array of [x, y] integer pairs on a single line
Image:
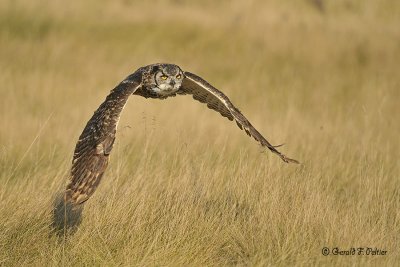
{"points": [[160, 81]]}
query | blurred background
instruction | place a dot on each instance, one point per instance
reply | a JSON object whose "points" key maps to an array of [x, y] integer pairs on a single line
{"points": [[321, 76], [305, 69]]}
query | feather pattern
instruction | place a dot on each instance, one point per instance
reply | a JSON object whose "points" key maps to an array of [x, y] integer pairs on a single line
{"points": [[94, 146], [216, 100]]}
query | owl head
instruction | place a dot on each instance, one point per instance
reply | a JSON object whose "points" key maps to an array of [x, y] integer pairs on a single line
{"points": [[168, 78]]}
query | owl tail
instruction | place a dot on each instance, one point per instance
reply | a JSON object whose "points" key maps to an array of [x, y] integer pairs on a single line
{"points": [[66, 216]]}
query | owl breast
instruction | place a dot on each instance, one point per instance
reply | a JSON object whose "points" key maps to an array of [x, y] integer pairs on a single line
{"points": [[154, 91], [164, 90]]}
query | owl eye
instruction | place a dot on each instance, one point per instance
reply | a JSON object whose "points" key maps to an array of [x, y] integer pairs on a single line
{"points": [[164, 77], [178, 76]]}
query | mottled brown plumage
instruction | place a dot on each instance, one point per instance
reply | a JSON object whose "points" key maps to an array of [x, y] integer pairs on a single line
{"points": [[159, 81], [94, 146], [216, 100]]}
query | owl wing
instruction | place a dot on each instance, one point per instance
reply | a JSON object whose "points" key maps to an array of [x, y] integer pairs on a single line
{"points": [[216, 100], [94, 146]]}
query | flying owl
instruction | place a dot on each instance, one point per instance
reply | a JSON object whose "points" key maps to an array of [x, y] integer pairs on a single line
{"points": [[92, 152]]}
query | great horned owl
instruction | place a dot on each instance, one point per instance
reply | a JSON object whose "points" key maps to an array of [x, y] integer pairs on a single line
{"points": [[160, 81]]}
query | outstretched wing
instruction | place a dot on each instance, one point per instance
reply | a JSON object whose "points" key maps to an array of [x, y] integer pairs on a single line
{"points": [[216, 100], [94, 146]]}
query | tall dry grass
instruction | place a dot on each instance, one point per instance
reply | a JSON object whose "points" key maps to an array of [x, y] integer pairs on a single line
{"points": [[185, 186]]}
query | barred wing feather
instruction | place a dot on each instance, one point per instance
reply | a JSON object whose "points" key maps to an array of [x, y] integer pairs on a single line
{"points": [[205, 93]]}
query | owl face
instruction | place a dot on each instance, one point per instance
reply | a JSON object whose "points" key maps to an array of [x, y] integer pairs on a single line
{"points": [[168, 79]]}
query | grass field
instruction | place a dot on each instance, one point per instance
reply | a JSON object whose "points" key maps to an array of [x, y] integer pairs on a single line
{"points": [[186, 186]]}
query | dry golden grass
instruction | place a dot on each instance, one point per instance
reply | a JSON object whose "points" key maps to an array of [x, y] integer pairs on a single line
{"points": [[185, 186]]}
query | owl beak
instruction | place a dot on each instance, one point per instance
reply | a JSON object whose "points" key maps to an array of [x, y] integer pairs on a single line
{"points": [[172, 83]]}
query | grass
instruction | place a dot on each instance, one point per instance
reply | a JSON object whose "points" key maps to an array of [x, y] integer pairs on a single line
{"points": [[186, 186]]}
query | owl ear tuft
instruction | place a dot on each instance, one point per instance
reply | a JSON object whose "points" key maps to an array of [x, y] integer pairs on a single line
{"points": [[156, 68]]}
